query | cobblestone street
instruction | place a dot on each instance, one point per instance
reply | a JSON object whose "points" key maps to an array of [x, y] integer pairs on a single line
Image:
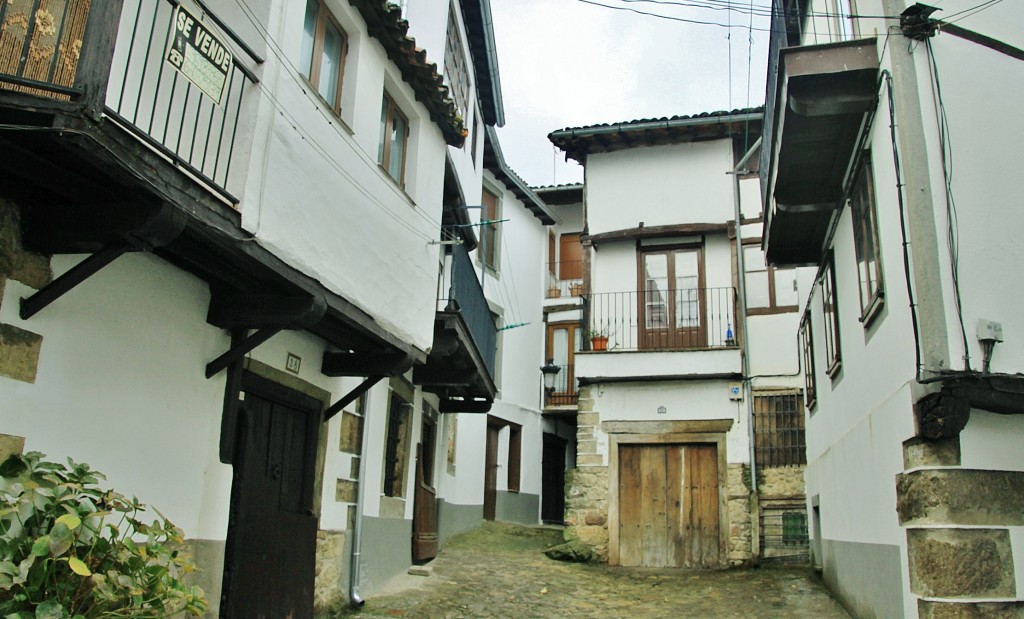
{"points": [[500, 570]]}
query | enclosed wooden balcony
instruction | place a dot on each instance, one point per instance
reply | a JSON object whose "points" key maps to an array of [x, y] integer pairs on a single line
{"points": [[817, 104], [460, 366]]}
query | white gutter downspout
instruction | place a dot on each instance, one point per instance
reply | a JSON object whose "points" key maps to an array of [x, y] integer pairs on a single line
{"points": [[355, 600], [745, 347]]}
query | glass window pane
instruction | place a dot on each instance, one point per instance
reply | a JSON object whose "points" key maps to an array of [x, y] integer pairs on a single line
{"points": [[688, 307], [330, 67], [383, 131], [786, 293], [308, 35], [397, 147], [560, 346], [656, 290]]}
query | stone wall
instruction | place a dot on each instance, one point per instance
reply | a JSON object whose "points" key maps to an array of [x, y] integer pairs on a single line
{"points": [[331, 588], [782, 482], [19, 348], [741, 521], [586, 508]]}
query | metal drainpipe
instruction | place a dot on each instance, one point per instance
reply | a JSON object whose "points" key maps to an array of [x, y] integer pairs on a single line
{"points": [[355, 600], [741, 276]]}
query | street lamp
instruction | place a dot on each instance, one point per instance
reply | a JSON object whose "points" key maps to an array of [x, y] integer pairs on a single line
{"points": [[550, 371]]}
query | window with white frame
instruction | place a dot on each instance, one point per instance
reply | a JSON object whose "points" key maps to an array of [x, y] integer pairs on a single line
{"points": [[830, 314], [865, 236], [807, 356], [394, 137], [324, 48]]}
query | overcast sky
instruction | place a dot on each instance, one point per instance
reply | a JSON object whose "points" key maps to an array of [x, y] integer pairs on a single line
{"points": [[566, 63]]}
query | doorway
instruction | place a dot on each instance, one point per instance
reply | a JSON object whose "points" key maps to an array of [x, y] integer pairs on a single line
{"points": [[672, 304], [270, 554], [491, 473], [552, 504], [668, 506]]}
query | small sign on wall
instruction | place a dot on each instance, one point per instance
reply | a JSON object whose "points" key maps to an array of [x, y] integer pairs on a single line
{"points": [[735, 392], [199, 55], [292, 363]]}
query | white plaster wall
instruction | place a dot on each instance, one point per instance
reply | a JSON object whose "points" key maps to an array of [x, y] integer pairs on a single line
{"points": [[750, 198], [660, 185], [992, 441], [657, 363], [683, 401], [317, 198], [570, 218], [466, 487], [121, 387], [773, 345], [515, 292], [531, 448]]}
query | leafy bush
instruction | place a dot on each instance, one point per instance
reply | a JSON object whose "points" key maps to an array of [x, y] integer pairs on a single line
{"points": [[70, 549]]}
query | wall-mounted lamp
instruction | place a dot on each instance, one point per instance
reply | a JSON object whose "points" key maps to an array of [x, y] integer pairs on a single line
{"points": [[550, 372]]}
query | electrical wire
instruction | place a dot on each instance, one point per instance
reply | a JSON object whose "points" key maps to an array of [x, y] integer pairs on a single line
{"points": [[971, 11], [952, 222]]}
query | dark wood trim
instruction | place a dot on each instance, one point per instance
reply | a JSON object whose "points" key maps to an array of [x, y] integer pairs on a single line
{"points": [[653, 232], [82, 271], [97, 54], [601, 380], [351, 396]]}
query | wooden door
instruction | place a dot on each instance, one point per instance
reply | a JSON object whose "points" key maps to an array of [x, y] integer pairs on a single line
{"points": [[491, 473], [270, 555], [424, 511], [672, 304], [552, 502], [668, 506]]}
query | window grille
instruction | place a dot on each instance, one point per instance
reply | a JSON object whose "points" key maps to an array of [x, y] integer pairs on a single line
{"points": [[779, 438]]}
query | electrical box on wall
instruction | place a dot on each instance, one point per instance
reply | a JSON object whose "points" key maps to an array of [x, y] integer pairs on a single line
{"points": [[735, 392], [990, 330]]}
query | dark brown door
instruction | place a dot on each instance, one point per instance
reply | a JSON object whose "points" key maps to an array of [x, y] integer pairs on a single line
{"points": [[552, 504], [424, 509], [672, 304], [668, 506], [271, 541], [491, 473]]}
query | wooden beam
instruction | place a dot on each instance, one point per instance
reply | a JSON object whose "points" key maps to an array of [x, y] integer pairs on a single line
{"points": [[351, 397], [465, 406], [354, 363], [655, 232], [241, 349], [233, 309], [30, 306]]}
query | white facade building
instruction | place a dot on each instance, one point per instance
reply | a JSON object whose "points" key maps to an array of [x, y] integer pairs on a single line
{"points": [[881, 168], [664, 436]]}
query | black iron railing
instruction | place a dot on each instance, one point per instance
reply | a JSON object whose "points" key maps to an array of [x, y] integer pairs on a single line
{"points": [[683, 319], [148, 97], [566, 388], [565, 279], [467, 297], [784, 537]]}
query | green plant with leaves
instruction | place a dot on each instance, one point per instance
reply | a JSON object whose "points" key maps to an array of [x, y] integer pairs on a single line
{"points": [[72, 550]]}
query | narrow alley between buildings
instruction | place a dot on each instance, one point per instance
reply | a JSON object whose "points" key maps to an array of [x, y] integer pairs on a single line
{"points": [[500, 570]]}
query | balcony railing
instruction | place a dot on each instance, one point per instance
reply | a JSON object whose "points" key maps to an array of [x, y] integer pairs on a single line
{"points": [[565, 279], [683, 319], [566, 388], [42, 44], [465, 295], [162, 107]]}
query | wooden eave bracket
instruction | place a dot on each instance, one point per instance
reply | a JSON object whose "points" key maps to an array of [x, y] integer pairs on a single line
{"points": [[32, 305], [376, 365], [268, 313]]}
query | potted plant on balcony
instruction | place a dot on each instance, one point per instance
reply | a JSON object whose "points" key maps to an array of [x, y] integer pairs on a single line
{"points": [[598, 339]]}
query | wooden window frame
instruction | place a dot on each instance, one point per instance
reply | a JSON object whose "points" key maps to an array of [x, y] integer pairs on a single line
{"points": [[830, 315], [865, 232], [396, 446], [323, 19], [456, 72], [699, 340], [773, 307], [515, 456], [389, 110], [490, 234], [807, 356]]}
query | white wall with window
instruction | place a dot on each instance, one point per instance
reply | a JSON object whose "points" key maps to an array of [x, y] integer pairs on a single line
{"points": [[320, 197]]}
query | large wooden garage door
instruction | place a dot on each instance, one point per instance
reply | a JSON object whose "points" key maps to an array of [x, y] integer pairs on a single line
{"points": [[668, 506]]}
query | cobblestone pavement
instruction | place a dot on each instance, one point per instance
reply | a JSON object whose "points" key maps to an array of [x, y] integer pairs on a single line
{"points": [[499, 570]]}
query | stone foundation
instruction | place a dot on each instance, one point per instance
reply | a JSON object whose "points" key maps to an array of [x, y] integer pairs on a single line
{"points": [[781, 482], [961, 563], [741, 524], [19, 349], [586, 508], [981, 610], [331, 587]]}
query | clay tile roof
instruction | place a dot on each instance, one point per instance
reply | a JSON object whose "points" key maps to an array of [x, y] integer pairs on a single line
{"points": [[384, 22], [570, 193], [578, 142]]}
